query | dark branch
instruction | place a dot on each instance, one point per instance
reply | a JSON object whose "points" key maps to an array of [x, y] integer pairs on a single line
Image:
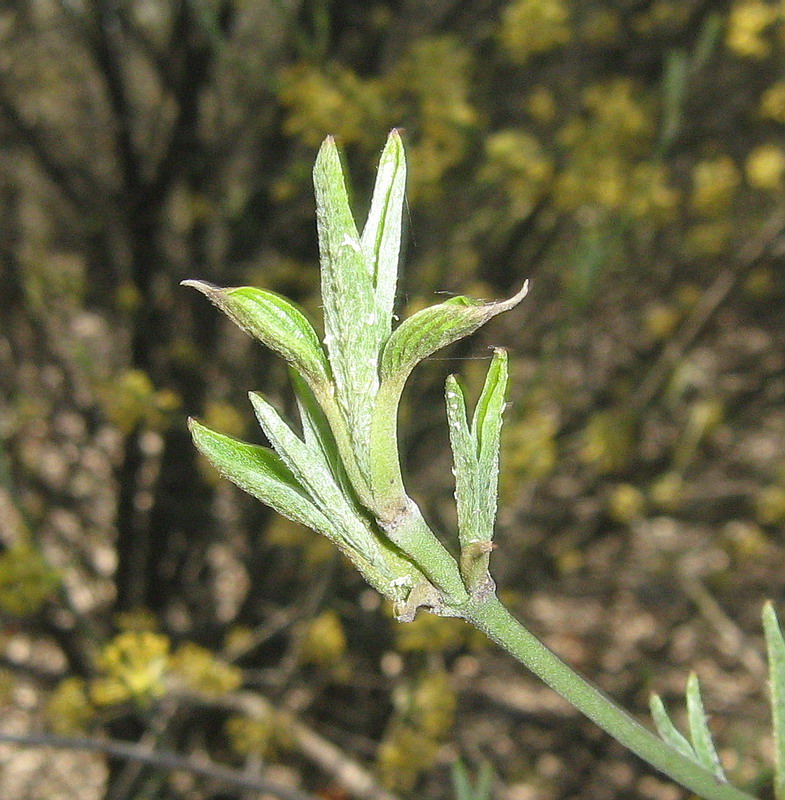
{"points": [[156, 758]]}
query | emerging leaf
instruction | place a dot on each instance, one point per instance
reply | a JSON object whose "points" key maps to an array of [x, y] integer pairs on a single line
{"points": [[381, 239], [275, 321], [667, 730], [700, 735]]}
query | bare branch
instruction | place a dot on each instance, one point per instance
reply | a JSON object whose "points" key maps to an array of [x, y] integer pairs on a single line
{"points": [[163, 760]]}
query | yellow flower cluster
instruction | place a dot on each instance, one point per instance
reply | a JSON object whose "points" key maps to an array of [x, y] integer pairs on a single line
{"points": [[324, 643], [602, 149], [424, 717], [264, 735], [427, 87], [138, 666], [626, 503], [69, 709], [772, 102], [26, 580], [530, 27], [199, 670], [608, 440], [331, 100], [619, 117], [748, 23], [130, 399], [765, 168], [714, 185], [516, 161], [529, 448], [431, 634], [134, 666], [430, 86]]}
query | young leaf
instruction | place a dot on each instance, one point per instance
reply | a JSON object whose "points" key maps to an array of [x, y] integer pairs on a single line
{"points": [[465, 459], [775, 646], [667, 730], [433, 328], [351, 317], [275, 321], [700, 734], [381, 238], [486, 431]]}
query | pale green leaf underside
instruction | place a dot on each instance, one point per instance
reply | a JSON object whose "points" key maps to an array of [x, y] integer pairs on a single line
{"points": [[273, 320], [260, 472]]}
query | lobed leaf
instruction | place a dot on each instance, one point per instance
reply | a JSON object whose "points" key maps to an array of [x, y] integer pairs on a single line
{"points": [[273, 320], [700, 734], [667, 730], [775, 645], [433, 328]]}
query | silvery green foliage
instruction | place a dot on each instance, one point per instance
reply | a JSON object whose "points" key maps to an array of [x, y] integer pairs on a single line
{"points": [[342, 478]]}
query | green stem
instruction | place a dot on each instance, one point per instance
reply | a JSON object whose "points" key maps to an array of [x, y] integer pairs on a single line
{"points": [[491, 617]]}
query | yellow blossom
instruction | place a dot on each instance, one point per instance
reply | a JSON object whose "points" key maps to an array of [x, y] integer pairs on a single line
{"points": [[69, 709], [714, 183], [325, 641], [765, 167], [201, 671], [530, 27], [772, 102], [747, 24], [134, 666], [541, 104], [26, 580]]}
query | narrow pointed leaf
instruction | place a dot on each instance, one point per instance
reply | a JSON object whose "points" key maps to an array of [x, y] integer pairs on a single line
{"points": [[275, 321], [260, 472], [381, 238], [667, 730], [312, 470], [464, 460], [433, 328], [700, 734], [351, 317], [486, 431], [775, 646]]}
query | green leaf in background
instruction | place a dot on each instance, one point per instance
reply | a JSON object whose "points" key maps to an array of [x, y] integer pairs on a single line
{"points": [[700, 734], [775, 646], [433, 328], [275, 321], [667, 730], [381, 238], [462, 782], [352, 320]]}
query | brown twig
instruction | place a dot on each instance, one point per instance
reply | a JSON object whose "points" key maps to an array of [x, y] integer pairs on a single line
{"points": [[159, 759]]}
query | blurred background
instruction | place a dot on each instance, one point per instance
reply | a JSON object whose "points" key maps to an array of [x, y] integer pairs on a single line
{"points": [[627, 156]]}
